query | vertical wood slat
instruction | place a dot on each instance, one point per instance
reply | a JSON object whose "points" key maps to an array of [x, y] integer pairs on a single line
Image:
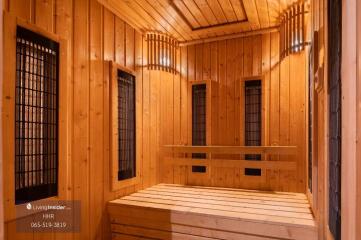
{"points": [[96, 91], [154, 51], [281, 40], [291, 28], [298, 27], [148, 50], [303, 32], [175, 56], [289, 50], [289, 32], [158, 52], [294, 28], [1, 132], [286, 34], [170, 52], [164, 55], [171, 55]]}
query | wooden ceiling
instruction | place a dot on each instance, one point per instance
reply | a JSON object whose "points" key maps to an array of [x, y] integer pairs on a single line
{"points": [[189, 20], [207, 14]]}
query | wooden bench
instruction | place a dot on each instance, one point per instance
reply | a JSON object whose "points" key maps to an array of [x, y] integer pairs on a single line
{"points": [[168, 211]]}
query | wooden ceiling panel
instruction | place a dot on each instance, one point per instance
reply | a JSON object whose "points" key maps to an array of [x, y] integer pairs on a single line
{"points": [[191, 20], [217, 10], [238, 9], [136, 9], [201, 11], [184, 12], [207, 12], [263, 13], [155, 16], [196, 12], [252, 13], [170, 15], [228, 10], [274, 9]]}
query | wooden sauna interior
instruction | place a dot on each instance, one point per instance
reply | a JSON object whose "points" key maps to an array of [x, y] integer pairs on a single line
{"points": [[218, 186]]}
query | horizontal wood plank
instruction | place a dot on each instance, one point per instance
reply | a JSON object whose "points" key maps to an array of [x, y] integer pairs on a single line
{"points": [[273, 165], [284, 150], [244, 200], [179, 228]]}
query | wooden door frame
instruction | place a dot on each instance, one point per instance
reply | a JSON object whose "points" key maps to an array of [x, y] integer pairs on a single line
{"points": [[349, 121], [358, 120]]}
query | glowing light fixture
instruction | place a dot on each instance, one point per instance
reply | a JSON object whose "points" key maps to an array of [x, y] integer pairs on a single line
{"points": [[292, 29], [162, 52]]}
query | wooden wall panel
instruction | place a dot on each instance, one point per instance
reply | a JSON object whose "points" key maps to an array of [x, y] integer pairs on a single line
{"points": [[358, 120], [96, 117], [120, 28], [95, 35], [177, 116], [44, 12], [80, 140], [21, 8], [1, 131], [146, 120], [274, 109], [348, 121], [184, 118], [224, 65]]}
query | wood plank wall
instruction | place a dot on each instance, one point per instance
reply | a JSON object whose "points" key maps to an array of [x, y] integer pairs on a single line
{"points": [[95, 35], [358, 120], [1, 131], [349, 121], [319, 71], [351, 172], [223, 65]]}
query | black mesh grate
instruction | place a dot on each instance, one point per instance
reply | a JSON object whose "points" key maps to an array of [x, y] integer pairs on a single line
{"points": [[36, 117], [126, 125], [335, 100], [253, 120], [199, 117]]}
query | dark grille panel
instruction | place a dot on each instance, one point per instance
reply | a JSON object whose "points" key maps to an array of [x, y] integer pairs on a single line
{"points": [[334, 73], [126, 125], [199, 169], [36, 117], [253, 116], [252, 171], [199, 117]]}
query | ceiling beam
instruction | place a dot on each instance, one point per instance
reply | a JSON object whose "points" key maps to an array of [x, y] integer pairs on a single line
{"points": [[220, 28], [231, 36]]}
